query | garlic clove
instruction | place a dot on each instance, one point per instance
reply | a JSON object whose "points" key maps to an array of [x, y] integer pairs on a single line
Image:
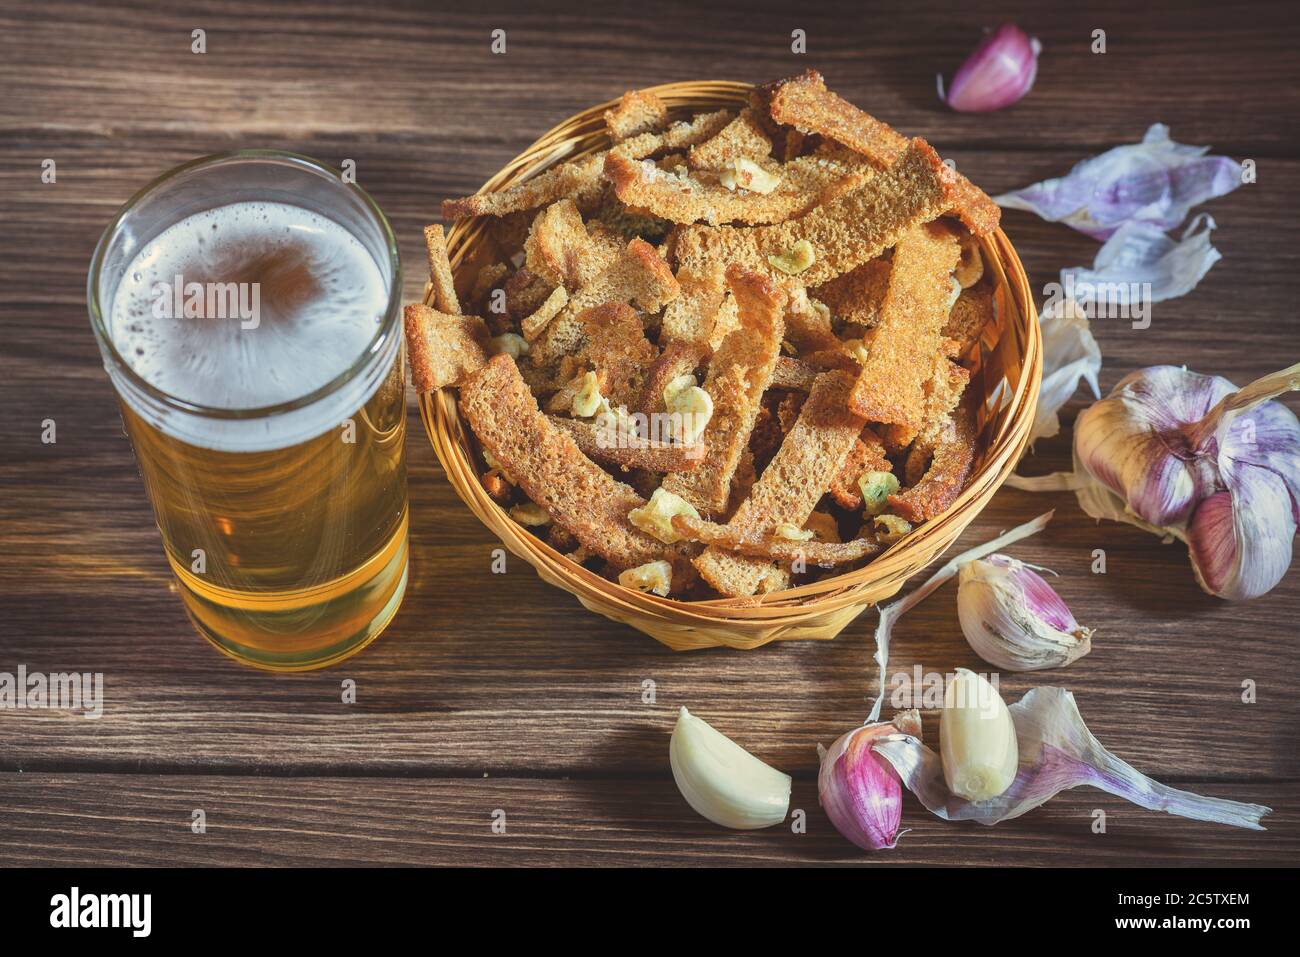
{"points": [[1014, 619], [861, 792], [1240, 541], [722, 781], [977, 739]]}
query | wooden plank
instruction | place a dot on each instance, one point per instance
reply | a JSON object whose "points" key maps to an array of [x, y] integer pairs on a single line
{"points": [[138, 819], [400, 69]]}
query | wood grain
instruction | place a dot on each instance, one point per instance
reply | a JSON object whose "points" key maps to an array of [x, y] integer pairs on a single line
{"points": [[501, 674]]}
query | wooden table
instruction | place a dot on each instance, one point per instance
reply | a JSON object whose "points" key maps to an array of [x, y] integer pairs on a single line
{"points": [[491, 693]]}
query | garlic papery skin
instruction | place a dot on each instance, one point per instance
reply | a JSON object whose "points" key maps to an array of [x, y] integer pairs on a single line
{"points": [[1195, 458], [977, 739], [722, 781], [860, 791], [1015, 620]]}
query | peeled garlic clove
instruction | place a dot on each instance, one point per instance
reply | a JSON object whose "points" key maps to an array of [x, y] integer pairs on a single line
{"points": [[1014, 619], [724, 782], [861, 792], [977, 739]]}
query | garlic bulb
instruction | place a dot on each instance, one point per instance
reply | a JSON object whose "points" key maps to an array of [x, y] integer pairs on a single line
{"points": [[1192, 456], [977, 739], [722, 781], [1014, 619], [861, 792]]}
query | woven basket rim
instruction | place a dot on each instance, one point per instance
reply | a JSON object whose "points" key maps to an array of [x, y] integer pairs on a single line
{"points": [[583, 132]]}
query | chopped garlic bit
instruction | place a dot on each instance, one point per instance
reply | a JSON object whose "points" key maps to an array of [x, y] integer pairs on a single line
{"points": [[654, 577], [677, 385], [655, 517], [876, 488], [857, 350], [954, 293], [690, 407], [530, 513], [588, 400], [793, 532], [495, 466], [511, 343], [746, 174], [890, 528], [795, 259]]}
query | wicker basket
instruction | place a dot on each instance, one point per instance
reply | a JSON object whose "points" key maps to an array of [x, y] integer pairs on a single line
{"points": [[1011, 352]]}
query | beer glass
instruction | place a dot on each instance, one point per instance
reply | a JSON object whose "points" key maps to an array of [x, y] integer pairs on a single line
{"points": [[262, 388]]}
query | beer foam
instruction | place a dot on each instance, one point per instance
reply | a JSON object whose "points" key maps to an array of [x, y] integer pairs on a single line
{"points": [[309, 299], [249, 305]]}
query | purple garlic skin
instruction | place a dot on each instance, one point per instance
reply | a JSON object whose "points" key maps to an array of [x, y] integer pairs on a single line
{"points": [[860, 791], [1135, 442], [1230, 486]]}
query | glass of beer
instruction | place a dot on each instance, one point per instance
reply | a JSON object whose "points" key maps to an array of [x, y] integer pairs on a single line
{"points": [[247, 309]]}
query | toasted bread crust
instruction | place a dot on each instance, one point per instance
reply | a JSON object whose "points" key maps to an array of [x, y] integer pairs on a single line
{"points": [[532, 325], [740, 372], [638, 111], [547, 464], [636, 276], [443, 348], [742, 138], [954, 454], [773, 548], [804, 103], [971, 314], [444, 286], [855, 297], [561, 250], [890, 388], [629, 452], [791, 486], [583, 179], [677, 359], [845, 233], [867, 455], [680, 196], [618, 349], [692, 316]]}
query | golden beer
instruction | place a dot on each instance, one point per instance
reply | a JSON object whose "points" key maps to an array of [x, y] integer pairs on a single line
{"points": [[246, 306]]}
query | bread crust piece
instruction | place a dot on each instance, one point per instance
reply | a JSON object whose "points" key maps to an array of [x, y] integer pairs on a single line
{"points": [[773, 548], [971, 314], [855, 297], [443, 348], [638, 111], [867, 455], [790, 487], [444, 286], [637, 275], [742, 138], [627, 451], [561, 250], [583, 179], [618, 349], [547, 464], [677, 359], [844, 233], [890, 388], [739, 373], [681, 196], [804, 103], [942, 391], [533, 324], [954, 454], [692, 316]]}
